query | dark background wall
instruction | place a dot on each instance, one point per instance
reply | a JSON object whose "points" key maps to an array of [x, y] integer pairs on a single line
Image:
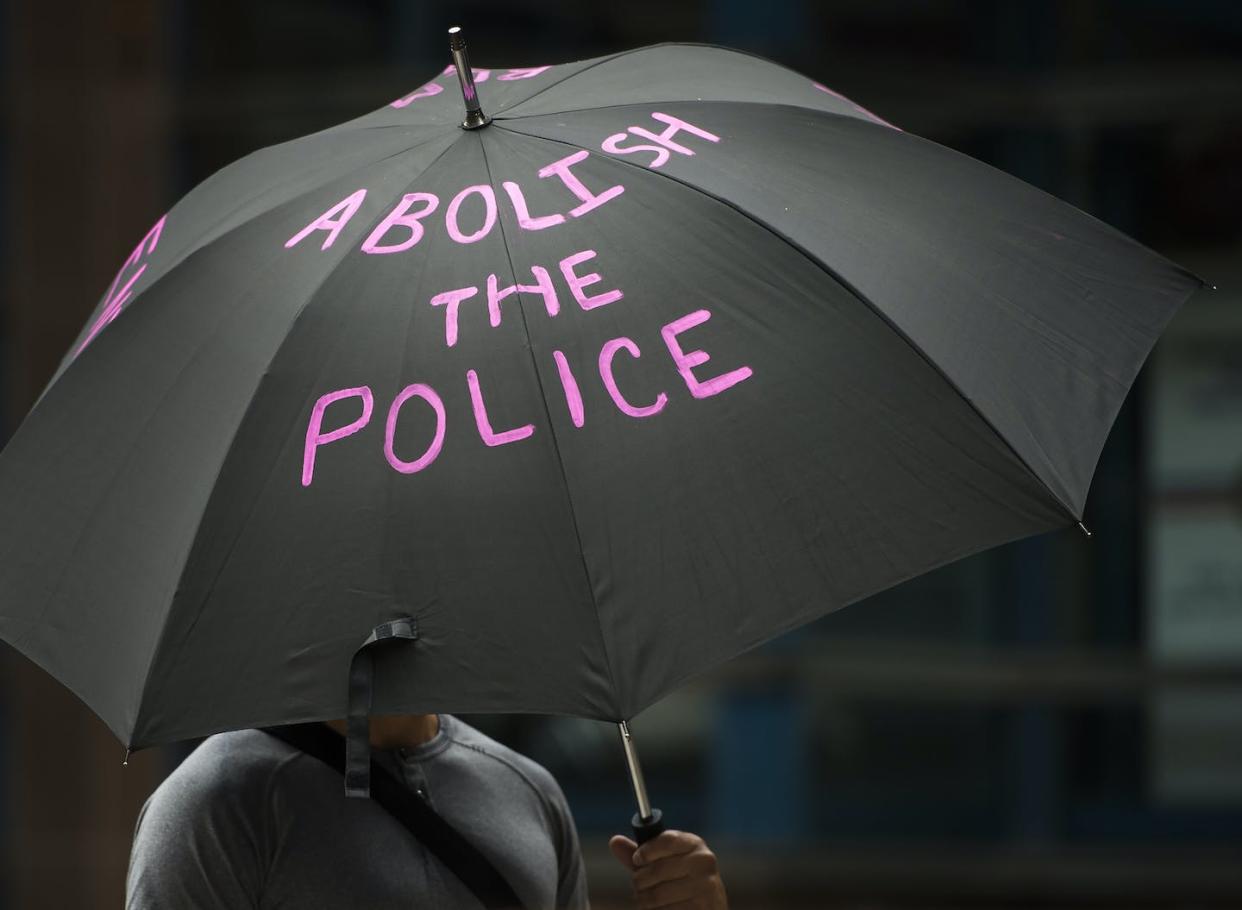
{"points": [[1055, 723]]}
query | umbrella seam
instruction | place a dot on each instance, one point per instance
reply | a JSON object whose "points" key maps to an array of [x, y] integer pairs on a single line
{"points": [[556, 448], [600, 62], [1070, 512], [162, 638], [500, 121], [202, 241], [509, 123], [651, 47]]}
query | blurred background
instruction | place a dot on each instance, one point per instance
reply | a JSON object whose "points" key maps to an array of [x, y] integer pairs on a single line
{"points": [[1056, 723]]}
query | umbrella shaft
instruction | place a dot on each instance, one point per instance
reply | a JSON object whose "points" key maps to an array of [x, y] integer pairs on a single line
{"points": [[636, 772]]}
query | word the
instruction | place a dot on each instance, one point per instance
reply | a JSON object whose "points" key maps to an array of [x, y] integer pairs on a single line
{"points": [[543, 286]]}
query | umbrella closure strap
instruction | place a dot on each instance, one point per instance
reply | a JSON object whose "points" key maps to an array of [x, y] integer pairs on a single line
{"points": [[361, 682]]}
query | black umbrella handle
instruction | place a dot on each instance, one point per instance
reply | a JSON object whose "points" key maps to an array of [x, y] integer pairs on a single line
{"points": [[645, 830]]}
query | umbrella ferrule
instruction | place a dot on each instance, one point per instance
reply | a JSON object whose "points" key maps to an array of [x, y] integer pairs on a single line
{"points": [[475, 117]]}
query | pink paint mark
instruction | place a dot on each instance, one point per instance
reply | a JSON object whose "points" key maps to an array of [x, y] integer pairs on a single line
{"points": [[111, 309], [686, 362], [674, 125], [577, 283], [856, 106], [589, 199], [526, 222], [402, 216], [542, 286], [528, 73], [431, 89], [610, 383], [573, 397], [427, 394], [332, 221], [479, 75], [486, 433], [489, 216], [613, 145], [315, 439], [115, 300], [451, 301]]}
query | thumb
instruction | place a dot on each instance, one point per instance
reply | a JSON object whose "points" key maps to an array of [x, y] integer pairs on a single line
{"points": [[623, 849]]}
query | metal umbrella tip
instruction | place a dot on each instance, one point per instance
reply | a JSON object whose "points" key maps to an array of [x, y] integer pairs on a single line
{"points": [[1082, 527], [475, 117]]}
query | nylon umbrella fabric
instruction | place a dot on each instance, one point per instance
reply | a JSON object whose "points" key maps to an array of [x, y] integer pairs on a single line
{"points": [[679, 352]]}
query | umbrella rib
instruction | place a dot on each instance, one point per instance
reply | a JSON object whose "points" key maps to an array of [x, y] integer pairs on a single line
{"points": [[556, 448], [1071, 515], [160, 642]]}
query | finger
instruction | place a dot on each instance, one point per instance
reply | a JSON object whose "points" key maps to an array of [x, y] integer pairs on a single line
{"points": [[667, 893], [701, 863], [623, 849], [667, 843]]}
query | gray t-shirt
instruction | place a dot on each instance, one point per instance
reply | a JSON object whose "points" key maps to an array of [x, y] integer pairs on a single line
{"points": [[248, 821]]}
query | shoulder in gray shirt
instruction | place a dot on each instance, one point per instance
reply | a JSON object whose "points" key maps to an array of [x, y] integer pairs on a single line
{"points": [[249, 822]]}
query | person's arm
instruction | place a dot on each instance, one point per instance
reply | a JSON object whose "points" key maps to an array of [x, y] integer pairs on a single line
{"points": [[676, 869], [198, 846], [571, 884]]}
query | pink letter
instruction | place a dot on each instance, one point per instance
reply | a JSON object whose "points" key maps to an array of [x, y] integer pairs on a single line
{"points": [[573, 397], [427, 91], [605, 371], [528, 73], [543, 287], [314, 439], [452, 300], [613, 145], [858, 107], [664, 138], [479, 75], [589, 200], [687, 362], [329, 220], [576, 284], [115, 300], [486, 433], [399, 216], [427, 394], [489, 217], [523, 213]]}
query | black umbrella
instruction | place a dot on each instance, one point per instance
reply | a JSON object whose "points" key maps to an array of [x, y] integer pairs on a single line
{"points": [[674, 351]]}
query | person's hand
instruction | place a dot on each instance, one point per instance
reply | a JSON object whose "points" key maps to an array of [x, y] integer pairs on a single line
{"points": [[674, 870]]}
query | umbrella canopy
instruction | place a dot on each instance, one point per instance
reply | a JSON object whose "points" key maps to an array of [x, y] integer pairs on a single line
{"points": [[679, 351]]}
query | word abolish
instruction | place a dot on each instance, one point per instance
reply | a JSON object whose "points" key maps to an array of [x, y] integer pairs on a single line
{"points": [[471, 213], [402, 228], [686, 363]]}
